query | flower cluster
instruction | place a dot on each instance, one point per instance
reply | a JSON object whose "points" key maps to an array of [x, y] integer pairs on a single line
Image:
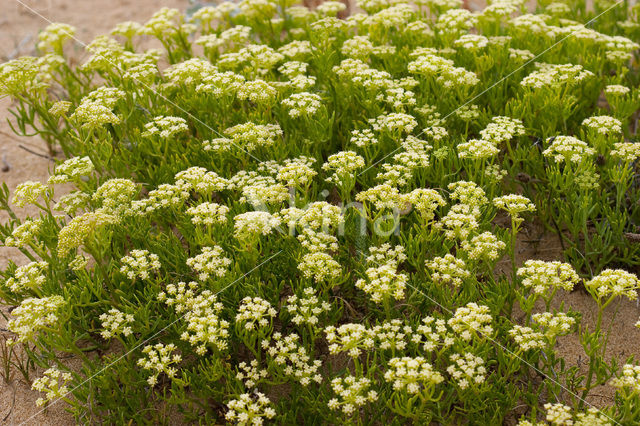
{"points": [[115, 196], [603, 124], [251, 136], [629, 381], [467, 370], [541, 276], [251, 374], [307, 308], [210, 261], [485, 246], [30, 276], [352, 393], [53, 383], [568, 149], [302, 104], [350, 338], [514, 204], [29, 192], [320, 266], [343, 164], [115, 322], [250, 225], [71, 170], [33, 315], [201, 312], [254, 313], [140, 264], [412, 375], [527, 338], [448, 270], [383, 281], [291, 358], [250, 410], [208, 214], [166, 127], [80, 228], [24, 234], [472, 321], [613, 283], [158, 359]]}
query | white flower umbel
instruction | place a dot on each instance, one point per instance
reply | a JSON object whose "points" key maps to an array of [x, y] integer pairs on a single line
{"points": [[433, 335], [205, 327], [250, 409], [208, 214], [612, 283], [343, 166], [603, 124], [303, 104], [383, 282], [24, 234], [553, 325], [485, 247], [251, 225], [54, 384], [115, 196], [254, 313], [350, 338], [629, 382], [568, 149], [210, 261], [140, 264], [307, 308], [472, 321], [392, 335], [514, 205], [626, 151], [28, 277], [165, 127], [477, 149], [413, 376], [426, 201], [352, 394], [448, 270], [502, 129], [559, 414], [467, 370], [251, 374], [29, 192], [33, 315], [158, 359], [200, 181], [115, 322], [542, 277], [527, 338], [320, 266], [71, 170], [290, 359]]}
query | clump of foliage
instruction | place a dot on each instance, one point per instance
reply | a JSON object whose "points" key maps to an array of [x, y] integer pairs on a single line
{"points": [[282, 215]]}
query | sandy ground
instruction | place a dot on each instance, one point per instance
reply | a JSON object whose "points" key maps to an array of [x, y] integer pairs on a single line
{"points": [[18, 32]]}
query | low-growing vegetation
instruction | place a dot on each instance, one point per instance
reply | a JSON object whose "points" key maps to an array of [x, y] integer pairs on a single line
{"points": [[282, 215]]}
